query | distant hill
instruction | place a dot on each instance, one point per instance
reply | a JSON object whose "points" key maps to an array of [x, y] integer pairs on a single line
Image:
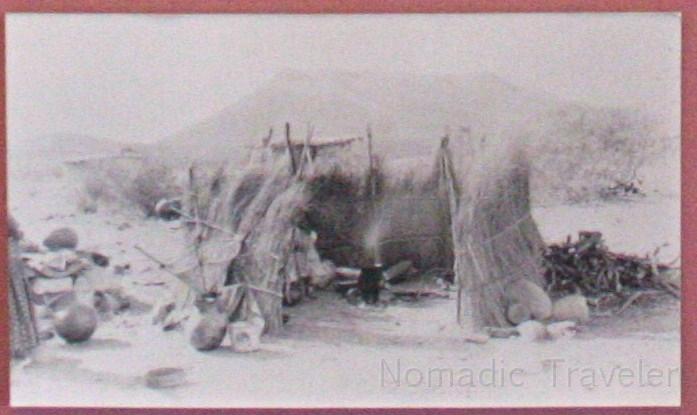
{"points": [[44, 157], [408, 113], [576, 149], [62, 147]]}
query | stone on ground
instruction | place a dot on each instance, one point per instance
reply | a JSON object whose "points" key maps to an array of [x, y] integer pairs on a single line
{"points": [[62, 238]]}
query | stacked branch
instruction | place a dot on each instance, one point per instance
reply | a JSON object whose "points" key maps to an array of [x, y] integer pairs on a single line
{"points": [[588, 266]]}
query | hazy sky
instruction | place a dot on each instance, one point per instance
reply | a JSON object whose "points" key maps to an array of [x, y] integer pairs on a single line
{"points": [[141, 78]]}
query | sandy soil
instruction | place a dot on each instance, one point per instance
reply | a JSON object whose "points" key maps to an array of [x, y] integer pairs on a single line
{"points": [[335, 354]]}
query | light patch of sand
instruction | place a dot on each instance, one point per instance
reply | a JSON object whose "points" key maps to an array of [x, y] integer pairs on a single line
{"points": [[334, 354]]}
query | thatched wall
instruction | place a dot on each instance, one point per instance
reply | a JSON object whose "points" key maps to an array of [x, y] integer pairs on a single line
{"points": [[266, 255], [496, 240]]}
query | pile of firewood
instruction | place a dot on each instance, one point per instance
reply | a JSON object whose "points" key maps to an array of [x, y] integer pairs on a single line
{"points": [[586, 266], [621, 190]]}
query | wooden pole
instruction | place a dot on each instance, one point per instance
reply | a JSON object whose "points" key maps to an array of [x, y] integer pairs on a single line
{"points": [[306, 155], [371, 180], [293, 168], [447, 175], [198, 229]]}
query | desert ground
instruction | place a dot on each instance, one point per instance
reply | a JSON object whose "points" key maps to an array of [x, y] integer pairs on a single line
{"points": [[332, 353]]}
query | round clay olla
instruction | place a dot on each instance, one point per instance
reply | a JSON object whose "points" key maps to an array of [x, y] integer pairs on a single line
{"points": [[572, 307], [517, 313], [63, 238], [531, 296], [76, 323], [209, 333]]}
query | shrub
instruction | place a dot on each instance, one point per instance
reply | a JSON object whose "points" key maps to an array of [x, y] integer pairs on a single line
{"points": [[128, 182], [150, 185], [583, 153]]}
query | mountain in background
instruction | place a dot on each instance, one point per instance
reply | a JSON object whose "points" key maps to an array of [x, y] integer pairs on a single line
{"points": [[576, 148], [407, 113], [37, 156], [61, 147]]}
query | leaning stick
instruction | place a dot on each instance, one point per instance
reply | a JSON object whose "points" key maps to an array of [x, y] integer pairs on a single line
{"points": [[670, 289], [165, 267], [200, 221], [629, 301], [634, 297]]}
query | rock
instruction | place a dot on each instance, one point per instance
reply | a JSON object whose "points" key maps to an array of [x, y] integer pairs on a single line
{"points": [[165, 377], [122, 269], [531, 296], [63, 238], [477, 338], [110, 302], [561, 330], [518, 313], [75, 324], [99, 259], [245, 336], [572, 307], [532, 330], [13, 229], [209, 332], [88, 206]]}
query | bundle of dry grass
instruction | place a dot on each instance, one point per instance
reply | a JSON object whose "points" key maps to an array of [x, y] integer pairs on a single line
{"points": [[252, 231], [496, 239]]}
